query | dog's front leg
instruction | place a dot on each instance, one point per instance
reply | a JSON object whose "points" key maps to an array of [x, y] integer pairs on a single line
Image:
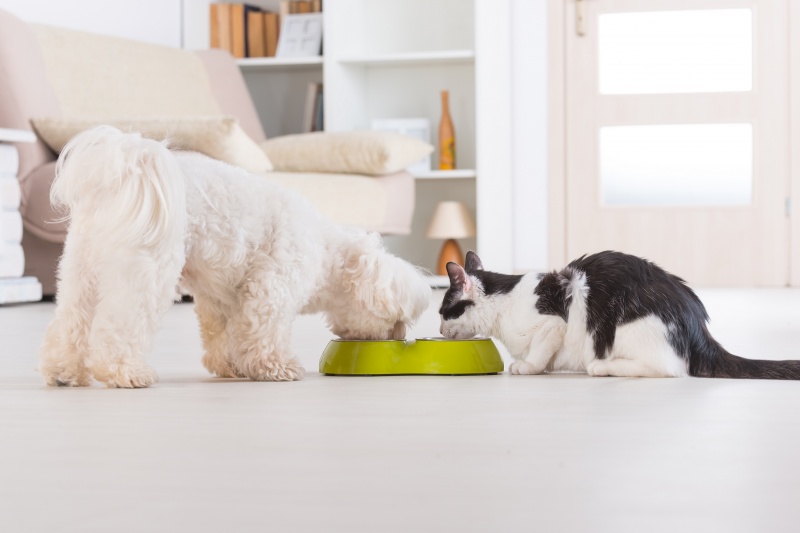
{"points": [[259, 333]]}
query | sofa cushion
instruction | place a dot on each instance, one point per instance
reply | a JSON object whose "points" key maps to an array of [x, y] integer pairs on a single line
{"points": [[374, 153], [217, 137], [383, 204]]}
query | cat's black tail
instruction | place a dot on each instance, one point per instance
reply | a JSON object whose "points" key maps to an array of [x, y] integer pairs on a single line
{"points": [[733, 366], [713, 361]]}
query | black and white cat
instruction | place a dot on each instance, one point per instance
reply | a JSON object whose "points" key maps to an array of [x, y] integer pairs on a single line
{"points": [[608, 314]]}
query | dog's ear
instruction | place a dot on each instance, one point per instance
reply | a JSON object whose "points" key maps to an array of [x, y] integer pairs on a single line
{"points": [[473, 262], [459, 279]]}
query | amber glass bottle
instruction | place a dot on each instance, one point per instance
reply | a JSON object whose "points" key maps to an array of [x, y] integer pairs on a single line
{"points": [[447, 137]]}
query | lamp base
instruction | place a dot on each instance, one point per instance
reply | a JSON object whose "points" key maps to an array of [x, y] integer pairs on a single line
{"points": [[450, 252]]}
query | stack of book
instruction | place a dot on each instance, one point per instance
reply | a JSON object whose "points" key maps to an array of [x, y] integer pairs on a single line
{"points": [[14, 288], [312, 114], [245, 30]]}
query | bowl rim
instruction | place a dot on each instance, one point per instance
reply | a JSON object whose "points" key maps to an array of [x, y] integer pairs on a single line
{"points": [[417, 339], [367, 340]]}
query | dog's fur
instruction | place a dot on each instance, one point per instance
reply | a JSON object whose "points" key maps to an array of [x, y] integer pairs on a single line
{"points": [[145, 218]]}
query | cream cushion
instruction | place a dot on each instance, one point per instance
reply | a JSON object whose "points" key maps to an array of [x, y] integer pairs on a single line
{"points": [[374, 153], [217, 137]]}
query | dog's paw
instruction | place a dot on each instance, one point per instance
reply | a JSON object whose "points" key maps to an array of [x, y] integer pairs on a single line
{"points": [[68, 371], [127, 376], [220, 367], [522, 368], [290, 370], [58, 376]]}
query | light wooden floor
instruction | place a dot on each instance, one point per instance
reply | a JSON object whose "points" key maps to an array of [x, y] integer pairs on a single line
{"points": [[491, 453]]}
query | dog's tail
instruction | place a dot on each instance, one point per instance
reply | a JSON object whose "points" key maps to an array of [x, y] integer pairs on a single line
{"points": [[134, 185]]}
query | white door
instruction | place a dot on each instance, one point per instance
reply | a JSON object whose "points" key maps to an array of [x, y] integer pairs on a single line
{"points": [[677, 135]]}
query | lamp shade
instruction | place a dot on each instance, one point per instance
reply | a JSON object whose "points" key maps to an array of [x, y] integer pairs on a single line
{"points": [[451, 220]]}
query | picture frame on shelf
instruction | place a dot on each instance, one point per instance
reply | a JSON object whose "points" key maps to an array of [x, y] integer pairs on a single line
{"points": [[419, 128], [300, 36]]}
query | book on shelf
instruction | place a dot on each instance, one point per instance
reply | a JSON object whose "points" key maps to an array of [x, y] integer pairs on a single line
{"points": [[295, 7], [238, 33], [9, 159], [318, 115], [240, 38], [12, 260], [20, 290], [256, 40], [272, 29], [284, 9], [246, 30], [311, 111], [220, 30]]}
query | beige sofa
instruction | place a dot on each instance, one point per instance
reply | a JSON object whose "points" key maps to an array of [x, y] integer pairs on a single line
{"points": [[52, 72]]}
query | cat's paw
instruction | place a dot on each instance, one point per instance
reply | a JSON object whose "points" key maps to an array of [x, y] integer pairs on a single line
{"points": [[597, 368], [522, 368]]}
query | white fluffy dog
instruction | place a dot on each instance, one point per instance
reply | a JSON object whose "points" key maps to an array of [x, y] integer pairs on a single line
{"points": [[253, 255]]}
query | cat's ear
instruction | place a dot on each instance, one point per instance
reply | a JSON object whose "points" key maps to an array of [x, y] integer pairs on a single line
{"points": [[458, 278], [473, 262]]}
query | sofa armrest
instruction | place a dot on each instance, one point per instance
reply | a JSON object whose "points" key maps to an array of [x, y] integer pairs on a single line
{"points": [[38, 216]]}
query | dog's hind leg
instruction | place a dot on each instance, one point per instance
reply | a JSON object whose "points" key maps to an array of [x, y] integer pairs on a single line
{"points": [[260, 329], [213, 330], [63, 354], [134, 292]]}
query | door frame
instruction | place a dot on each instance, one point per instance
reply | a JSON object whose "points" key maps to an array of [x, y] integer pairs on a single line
{"points": [[561, 16], [794, 135], [557, 132]]}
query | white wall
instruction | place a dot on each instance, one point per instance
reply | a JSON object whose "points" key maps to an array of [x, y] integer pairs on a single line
{"points": [[511, 90], [529, 133], [154, 21]]}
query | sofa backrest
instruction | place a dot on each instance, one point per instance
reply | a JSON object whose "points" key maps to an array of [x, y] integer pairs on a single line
{"points": [[100, 76], [54, 72]]}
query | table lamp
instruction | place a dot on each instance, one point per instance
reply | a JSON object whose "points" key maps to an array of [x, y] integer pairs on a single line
{"points": [[451, 221]]}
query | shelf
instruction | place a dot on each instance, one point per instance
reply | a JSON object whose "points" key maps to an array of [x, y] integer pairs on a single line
{"points": [[443, 57], [438, 282], [445, 174], [280, 63]]}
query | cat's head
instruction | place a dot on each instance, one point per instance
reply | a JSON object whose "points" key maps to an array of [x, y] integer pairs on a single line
{"points": [[463, 307]]}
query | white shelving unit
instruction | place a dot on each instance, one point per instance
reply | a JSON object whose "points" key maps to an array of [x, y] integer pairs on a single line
{"points": [[443, 57], [391, 59], [393, 62], [445, 174]]}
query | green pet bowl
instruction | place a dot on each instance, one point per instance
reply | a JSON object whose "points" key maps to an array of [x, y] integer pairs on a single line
{"points": [[437, 356]]}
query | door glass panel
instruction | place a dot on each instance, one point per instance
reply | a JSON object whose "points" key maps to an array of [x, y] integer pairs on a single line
{"points": [[675, 51], [676, 165]]}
